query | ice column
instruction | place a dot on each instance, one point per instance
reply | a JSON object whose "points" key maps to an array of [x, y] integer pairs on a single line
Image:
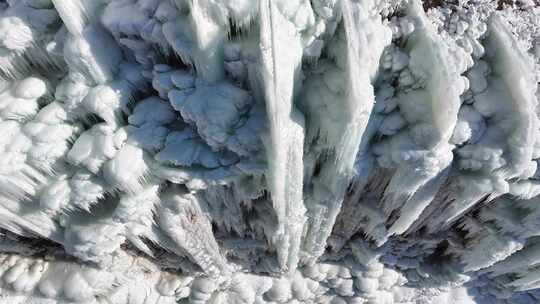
{"points": [[281, 54], [422, 171], [337, 171]]}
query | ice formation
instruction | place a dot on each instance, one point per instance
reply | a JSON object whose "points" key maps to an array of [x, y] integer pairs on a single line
{"points": [[269, 151]]}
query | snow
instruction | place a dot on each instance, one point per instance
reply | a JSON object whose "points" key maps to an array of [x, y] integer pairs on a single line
{"points": [[269, 151]]}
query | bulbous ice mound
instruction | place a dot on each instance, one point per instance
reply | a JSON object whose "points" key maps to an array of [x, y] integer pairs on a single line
{"points": [[269, 151]]}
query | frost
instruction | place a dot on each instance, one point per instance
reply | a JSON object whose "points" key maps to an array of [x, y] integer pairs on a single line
{"points": [[269, 151]]}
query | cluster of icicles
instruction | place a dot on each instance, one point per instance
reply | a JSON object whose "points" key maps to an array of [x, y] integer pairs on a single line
{"points": [[269, 151]]}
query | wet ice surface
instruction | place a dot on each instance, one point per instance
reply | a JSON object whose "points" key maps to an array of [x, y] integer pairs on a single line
{"points": [[269, 151]]}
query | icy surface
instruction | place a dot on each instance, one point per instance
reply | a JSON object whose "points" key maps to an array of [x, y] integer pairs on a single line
{"points": [[269, 151]]}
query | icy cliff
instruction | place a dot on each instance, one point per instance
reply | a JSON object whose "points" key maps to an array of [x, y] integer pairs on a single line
{"points": [[269, 151]]}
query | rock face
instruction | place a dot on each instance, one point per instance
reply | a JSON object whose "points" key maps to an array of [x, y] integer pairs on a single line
{"points": [[269, 151]]}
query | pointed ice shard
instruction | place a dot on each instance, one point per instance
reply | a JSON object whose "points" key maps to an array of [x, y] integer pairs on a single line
{"points": [[529, 280], [136, 212], [73, 14], [423, 170], [354, 110], [181, 218], [281, 54], [92, 55], [516, 70], [506, 150], [518, 262], [490, 250], [208, 18]]}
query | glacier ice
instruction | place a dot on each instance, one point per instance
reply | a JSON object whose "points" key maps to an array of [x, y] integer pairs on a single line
{"points": [[269, 151]]}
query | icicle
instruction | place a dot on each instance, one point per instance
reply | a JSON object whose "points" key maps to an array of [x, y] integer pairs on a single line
{"points": [[490, 250], [506, 151], [73, 14], [519, 261], [210, 33], [33, 223], [136, 212], [423, 171], [93, 55], [330, 187], [361, 211], [529, 280], [281, 54], [181, 218], [515, 68]]}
